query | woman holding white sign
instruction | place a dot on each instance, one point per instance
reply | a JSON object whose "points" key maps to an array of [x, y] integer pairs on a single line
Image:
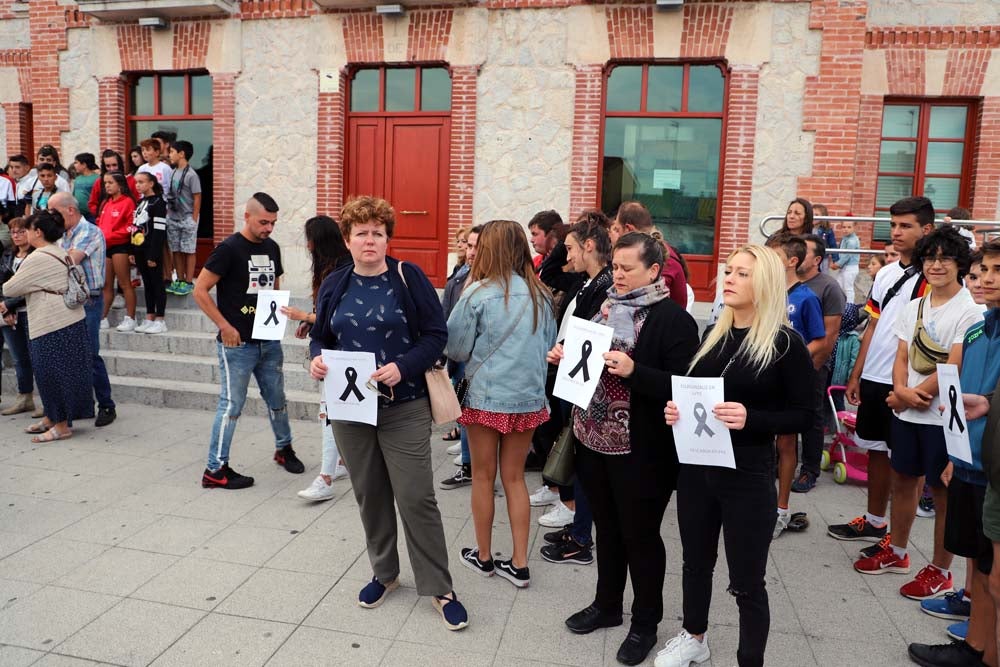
{"points": [[626, 460], [768, 378], [388, 308]]}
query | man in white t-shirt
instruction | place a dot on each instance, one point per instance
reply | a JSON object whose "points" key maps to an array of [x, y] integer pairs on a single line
{"points": [[870, 382], [160, 170], [930, 330]]}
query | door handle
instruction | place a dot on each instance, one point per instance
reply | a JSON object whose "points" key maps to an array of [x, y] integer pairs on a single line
{"points": [[413, 212]]}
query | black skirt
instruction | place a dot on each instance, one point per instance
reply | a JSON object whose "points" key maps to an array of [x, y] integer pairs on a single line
{"points": [[64, 374]]}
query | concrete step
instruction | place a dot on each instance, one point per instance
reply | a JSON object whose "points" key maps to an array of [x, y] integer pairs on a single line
{"points": [[195, 343], [190, 368], [184, 319], [189, 395]]}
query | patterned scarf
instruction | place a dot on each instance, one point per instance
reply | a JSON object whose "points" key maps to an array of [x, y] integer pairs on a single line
{"points": [[620, 310]]}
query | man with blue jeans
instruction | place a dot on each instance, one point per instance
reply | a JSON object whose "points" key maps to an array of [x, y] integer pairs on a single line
{"points": [[84, 243], [238, 268]]}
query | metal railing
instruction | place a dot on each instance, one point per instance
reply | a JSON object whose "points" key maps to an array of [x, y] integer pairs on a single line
{"points": [[989, 229]]}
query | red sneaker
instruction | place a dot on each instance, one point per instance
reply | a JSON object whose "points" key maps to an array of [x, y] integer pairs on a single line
{"points": [[929, 583], [884, 561]]}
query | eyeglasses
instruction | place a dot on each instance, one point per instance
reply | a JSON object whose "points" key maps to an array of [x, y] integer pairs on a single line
{"points": [[18, 231], [943, 260], [374, 387]]}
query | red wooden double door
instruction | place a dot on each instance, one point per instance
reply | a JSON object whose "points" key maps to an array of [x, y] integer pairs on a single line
{"points": [[405, 160]]}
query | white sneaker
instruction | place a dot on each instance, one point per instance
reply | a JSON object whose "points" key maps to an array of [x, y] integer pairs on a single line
{"points": [[340, 472], [781, 524], [557, 517], [118, 301], [104, 324], [682, 650], [455, 449], [543, 496], [457, 460], [142, 326], [155, 327], [318, 490], [127, 325]]}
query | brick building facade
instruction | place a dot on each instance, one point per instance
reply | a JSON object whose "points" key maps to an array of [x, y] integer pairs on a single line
{"points": [[846, 102]]}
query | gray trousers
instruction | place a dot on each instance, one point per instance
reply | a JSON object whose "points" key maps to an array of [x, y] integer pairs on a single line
{"points": [[392, 462]]}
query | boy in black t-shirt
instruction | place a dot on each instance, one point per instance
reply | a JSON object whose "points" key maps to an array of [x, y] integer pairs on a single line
{"points": [[239, 268]]}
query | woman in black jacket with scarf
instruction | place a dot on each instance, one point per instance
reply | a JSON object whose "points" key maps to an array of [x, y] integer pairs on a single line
{"points": [[625, 454], [767, 374]]}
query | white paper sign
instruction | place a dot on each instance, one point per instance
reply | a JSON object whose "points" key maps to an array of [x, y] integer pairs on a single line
{"points": [[348, 397], [666, 179], [268, 321], [956, 428], [700, 438], [583, 360]]}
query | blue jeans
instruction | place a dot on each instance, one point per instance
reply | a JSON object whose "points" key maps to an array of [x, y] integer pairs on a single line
{"points": [[263, 360], [94, 311], [464, 439], [17, 342]]}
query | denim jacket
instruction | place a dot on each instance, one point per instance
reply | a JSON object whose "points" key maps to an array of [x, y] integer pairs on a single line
{"points": [[509, 378]]}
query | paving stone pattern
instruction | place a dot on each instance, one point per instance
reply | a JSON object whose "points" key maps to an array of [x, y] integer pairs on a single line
{"points": [[112, 553]]}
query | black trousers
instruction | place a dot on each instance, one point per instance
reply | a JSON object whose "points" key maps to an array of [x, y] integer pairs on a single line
{"points": [[152, 279], [627, 518], [812, 440], [743, 505]]}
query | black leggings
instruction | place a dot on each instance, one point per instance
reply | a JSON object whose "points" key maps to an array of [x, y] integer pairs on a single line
{"points": [[628, 535], [152, 280], [744, 506]]}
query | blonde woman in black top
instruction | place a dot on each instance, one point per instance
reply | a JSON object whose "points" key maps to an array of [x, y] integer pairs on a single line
{"points": [[768, 375]]}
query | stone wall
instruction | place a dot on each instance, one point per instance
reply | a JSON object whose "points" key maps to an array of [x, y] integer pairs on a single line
{"points": [[783, 151], [933, 12], [524, 117], [14, 34], [276, 131], [76, 73]]}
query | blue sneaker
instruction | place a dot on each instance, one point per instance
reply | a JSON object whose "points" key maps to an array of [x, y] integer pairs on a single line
{"points": [[951, 606], [957, 631], [375, 592], [452, 612]]}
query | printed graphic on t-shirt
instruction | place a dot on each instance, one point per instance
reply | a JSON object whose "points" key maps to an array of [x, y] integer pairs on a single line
{"points": [[261, 270]]}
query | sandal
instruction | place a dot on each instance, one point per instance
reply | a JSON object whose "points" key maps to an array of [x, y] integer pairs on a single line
{"points": [[52, 435], [38, 427], [452, 435]]}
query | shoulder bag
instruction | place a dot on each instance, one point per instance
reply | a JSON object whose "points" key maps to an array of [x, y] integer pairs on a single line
{"points": [[925, 354]]}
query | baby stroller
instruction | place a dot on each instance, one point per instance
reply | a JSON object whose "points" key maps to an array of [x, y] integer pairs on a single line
{"points": [[849, 462]]}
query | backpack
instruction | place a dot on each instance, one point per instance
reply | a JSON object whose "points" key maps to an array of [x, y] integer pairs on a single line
{"points": [[76, 294]]}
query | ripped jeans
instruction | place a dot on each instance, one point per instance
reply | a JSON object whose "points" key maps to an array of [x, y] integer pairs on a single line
{"points": [[262, 360], [743, 505]]}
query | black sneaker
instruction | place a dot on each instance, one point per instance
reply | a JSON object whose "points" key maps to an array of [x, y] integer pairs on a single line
{"points": [[857, 528], [462, 477], [804, 483], [105, 416], [519, 576], [557, 536], [868, 552], [569, 551], [225, 478], [955, 654], [470, 559], [286, 458]]}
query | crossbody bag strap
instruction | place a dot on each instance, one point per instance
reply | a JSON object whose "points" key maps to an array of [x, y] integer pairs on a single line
{"points": [[908, 273]]}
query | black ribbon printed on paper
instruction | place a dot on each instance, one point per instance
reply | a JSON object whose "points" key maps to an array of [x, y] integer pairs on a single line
{"points": [[585, 351], [352, 386], [956, 419], [273, 315], [701, 414]]}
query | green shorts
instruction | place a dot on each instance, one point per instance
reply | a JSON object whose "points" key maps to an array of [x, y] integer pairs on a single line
{"points": [[991, 514]]}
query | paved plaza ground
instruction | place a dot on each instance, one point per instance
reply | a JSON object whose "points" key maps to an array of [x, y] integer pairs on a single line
{"points": [[112, 553]]}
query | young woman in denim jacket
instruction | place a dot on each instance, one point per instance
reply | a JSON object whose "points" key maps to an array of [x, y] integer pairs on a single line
{"points": [[502, 327]]}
